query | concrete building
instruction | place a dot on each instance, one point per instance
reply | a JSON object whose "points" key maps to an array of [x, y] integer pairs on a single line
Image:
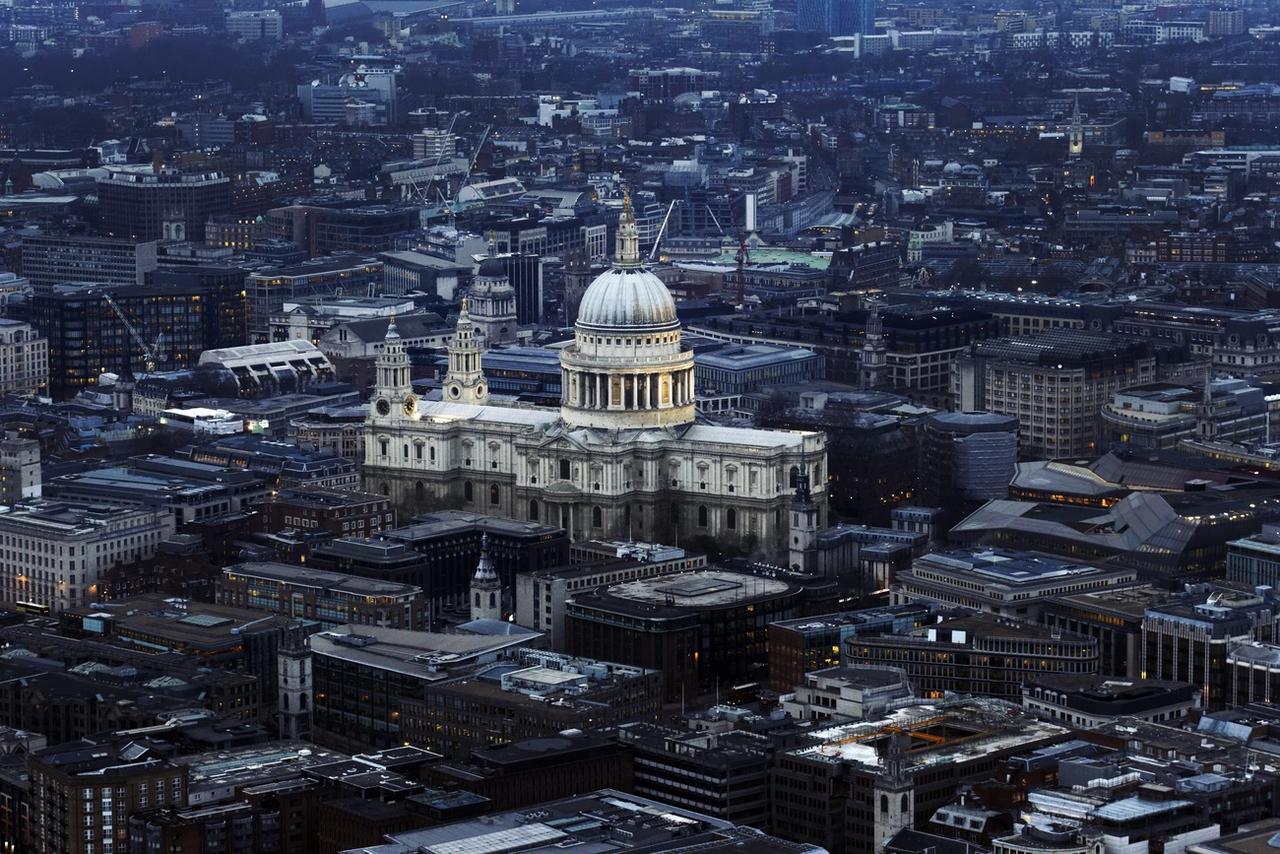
{"points": [[528, 694], [19, 469], [329, 598], [799, 647], [265, 370], [980, 654], [1055, 383], [364, 675], [1188, 638], [255, 25], [137, 203], [1255, 561], [56, 553], [856, 785], [1160, 415], [540, 596], [701, 629], [848, 693], [1090, 701], [1000, 581], [966, 457], [748, 368], [51, 259]]}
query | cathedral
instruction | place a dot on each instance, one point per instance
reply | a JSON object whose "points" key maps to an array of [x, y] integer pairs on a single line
{"points": [[624, 457]]}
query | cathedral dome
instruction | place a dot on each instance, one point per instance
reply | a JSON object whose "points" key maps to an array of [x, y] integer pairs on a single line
{"points": [[626, 298], [492, 268]]}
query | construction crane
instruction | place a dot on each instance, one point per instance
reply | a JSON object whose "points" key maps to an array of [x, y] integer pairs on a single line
{"points": [[744, 254], [150, 352], [653, 253]]}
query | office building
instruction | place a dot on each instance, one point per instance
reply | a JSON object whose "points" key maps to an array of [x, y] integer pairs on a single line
{"points": [[1188, 638], [434, 145], [1113, 618], [50, 259], [56, 553], [83, 792], [540, 596], [966, 457], [340, 275], [363, 677], [1000, 581], [137, 204], [720, 774], [798, 647], [255, 25], [744, 369], [339, 512], [981, 654], [265, 370], [24, 359], [1091, 701], [700, 628], [848, 693], [1255, 561], [407, 272], [19, 469], [1055, 383], [1160, 415], [549, 826], [326, 103], [528, 694], [329, 598], [192, 492], [524, 272], [343, 227], [837, 17], [856, 785], [89, 335]]}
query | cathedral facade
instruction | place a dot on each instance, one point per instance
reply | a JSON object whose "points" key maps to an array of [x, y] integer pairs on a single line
{"points": [[623, 457]]}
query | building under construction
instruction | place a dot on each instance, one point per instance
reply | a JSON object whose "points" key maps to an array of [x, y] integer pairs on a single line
{"points": [[856, 785]]}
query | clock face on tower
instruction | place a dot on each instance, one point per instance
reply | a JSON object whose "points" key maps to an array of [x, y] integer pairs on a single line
{"points": [[410, 404], [383, 406]]}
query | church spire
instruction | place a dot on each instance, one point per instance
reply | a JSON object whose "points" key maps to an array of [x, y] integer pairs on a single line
{"points": [[627, 253], [486, 587]]}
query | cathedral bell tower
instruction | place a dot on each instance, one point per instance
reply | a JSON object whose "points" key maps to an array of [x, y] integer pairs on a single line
{"points": [[804, 528], [465, 381], [874, 357], [486, 587], [393, 393]]}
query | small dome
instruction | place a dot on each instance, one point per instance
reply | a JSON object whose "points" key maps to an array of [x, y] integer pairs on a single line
{"points": [[492, 268], [625, 297]]}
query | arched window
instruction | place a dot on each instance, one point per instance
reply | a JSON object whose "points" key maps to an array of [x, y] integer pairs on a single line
{"points": [[493, 494], [564, 469], [386, 490], [406, 450], [884, 803], [419, 491], [382, 447], [904, 803], [533, 511], [431, 453], [302, 702], [597, 517], [702, 516], [417, 450], [795, 476], [731, 519], [477, 598], [468, 493]]}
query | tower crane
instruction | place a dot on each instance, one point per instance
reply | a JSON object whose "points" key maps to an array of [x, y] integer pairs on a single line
{"points": [[150, 352]]}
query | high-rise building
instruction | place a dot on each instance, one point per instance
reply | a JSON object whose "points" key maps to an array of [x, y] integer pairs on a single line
{"points": [[434, 144], [50, 259], [89, 334], [524, 273], [837, 17], [136, 204]]}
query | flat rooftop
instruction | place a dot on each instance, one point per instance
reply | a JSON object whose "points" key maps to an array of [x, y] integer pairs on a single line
{"points": [[300, 576]]}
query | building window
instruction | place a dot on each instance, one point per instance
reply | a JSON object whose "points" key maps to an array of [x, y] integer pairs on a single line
{"points": [[564, 469], [468, 491], [419, 491], [431, 453], [702, 515], [493, 494], [731, 519], [533, 511], [597, 517], [383, 446], [795, 476]]}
